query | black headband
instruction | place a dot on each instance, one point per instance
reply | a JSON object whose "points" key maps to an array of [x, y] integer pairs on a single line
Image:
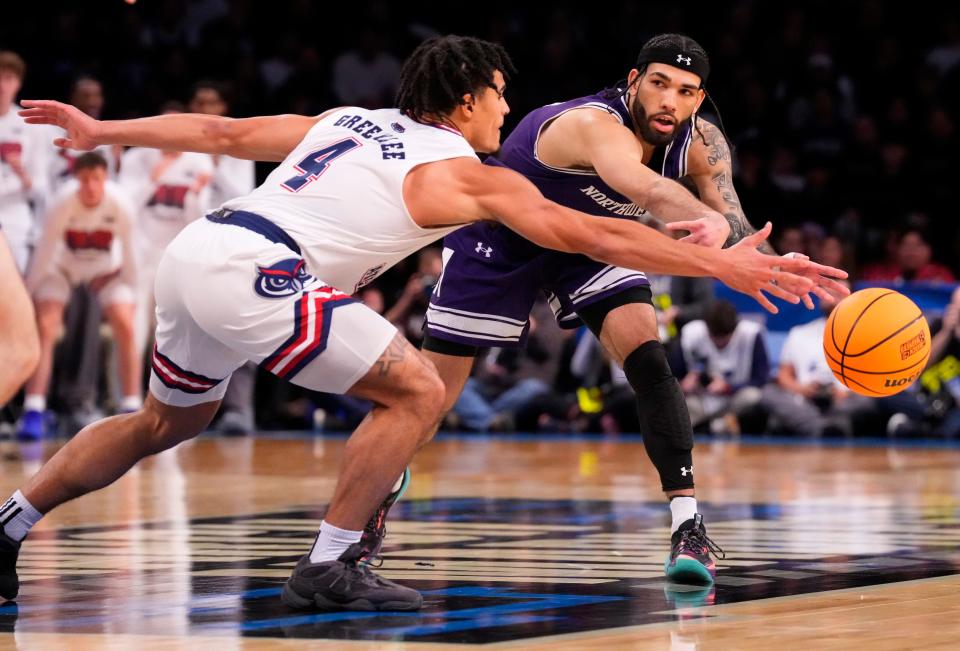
{"points": [[678, 58]]}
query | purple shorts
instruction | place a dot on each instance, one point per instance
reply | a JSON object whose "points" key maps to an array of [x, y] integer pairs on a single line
{"points": [[491, 279]]}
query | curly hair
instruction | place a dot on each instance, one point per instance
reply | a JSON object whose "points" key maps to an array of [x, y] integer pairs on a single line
{"points": [[443, 69]]}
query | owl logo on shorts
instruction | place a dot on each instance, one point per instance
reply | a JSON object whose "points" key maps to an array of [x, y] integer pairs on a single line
{"points": [[284, 278]]}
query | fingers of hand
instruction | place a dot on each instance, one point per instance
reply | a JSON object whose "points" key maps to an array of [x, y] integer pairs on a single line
{"points": [[765, 302], [807, 300], [681, 226], [781, 292]]}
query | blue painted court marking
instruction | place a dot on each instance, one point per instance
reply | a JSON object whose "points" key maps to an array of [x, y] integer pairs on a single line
{"points": [[508, 614], [633, 437]]}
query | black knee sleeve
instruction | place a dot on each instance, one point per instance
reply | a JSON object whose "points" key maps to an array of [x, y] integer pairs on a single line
{"points": [[664, 420]]}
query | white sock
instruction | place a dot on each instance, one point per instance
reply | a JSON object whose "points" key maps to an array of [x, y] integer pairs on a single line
{"points": [[399, 483], [131, 403], [17, 516], [683, 509], [331, 542], [34, 402]]}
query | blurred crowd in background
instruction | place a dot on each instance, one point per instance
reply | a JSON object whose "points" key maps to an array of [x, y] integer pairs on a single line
{"points": [[842, 116]]}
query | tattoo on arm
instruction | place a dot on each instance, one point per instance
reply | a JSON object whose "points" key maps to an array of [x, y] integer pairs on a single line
{"points": [[718, 156], [395, 353]]}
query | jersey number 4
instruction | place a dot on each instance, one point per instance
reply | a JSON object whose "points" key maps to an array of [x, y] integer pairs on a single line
{"points": [[316, 163]]}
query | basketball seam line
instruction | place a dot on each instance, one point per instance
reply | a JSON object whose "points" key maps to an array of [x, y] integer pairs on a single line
{"points": [[888, 337], [899, 370], [843, 353]]}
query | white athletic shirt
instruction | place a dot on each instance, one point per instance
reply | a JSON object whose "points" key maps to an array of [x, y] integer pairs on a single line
{"points": [[164, 206], [32, 146], [339, 194], [803, 349], [86, 242], [734, 361]]}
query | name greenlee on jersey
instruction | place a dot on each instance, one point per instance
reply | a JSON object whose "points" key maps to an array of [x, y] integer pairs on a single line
{"points": [[388, 142]]}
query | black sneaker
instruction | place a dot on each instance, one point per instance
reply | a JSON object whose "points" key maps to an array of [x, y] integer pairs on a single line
{"points": [[345, 584], [9, 581], [690, 554], [376, 528]]}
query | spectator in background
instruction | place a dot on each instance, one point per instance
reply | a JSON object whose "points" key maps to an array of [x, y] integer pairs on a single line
{"points": [[408, 312], [87, 95], [510, 381], [86, 240], [723, 366], [679, 300], [932, 405], [23, 161], [232, 177], [368, 74], [169, 189], [807, 399], [78, 354], [913, 263]]}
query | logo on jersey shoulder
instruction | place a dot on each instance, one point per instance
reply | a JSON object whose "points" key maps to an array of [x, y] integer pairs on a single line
{"points": [[683, 59], [396, 126], [283, 278]]}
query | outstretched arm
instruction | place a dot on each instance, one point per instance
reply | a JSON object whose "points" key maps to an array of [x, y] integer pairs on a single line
{"points": [[592, 139], [479, 192], [269, 138]]}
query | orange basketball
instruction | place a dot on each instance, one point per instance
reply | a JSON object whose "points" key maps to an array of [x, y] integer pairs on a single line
{"points": [[877, 342]]}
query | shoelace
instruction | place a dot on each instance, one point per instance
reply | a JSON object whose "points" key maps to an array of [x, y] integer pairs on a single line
{"points": [[698, 536]]}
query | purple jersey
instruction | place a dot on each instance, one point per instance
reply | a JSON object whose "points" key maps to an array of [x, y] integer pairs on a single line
{"points": [[492, 276], [581, 189]]}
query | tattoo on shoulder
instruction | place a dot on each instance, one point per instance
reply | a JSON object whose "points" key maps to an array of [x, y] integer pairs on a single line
{"points": [[395, 353], [716, 143]]}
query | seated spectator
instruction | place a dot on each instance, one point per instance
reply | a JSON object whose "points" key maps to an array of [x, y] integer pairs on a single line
{"points": [[806, 398], [914, 263], [932, 405], [79, 245], [679, 300], [512, 383], [722, 366], [407, 314]]}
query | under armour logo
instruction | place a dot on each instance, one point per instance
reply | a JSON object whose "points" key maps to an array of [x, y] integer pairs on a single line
{"points": [[686, 471], [683, 59], [485, 250]]}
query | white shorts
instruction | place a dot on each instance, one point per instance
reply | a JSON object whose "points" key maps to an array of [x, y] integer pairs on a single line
{"points": [[226, 294], [56, 286]]}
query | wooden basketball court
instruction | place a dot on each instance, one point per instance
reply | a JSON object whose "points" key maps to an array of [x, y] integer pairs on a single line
{"points": [[540, 543]]}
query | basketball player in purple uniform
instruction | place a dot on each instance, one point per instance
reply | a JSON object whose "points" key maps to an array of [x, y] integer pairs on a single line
{"points": [[618, 154]]}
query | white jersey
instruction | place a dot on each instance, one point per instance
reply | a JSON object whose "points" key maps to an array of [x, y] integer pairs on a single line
{"points": [[19, 139], [166, 204], [84, 242], [734, 361], [339, 194], [803, 350], [232, 177]]}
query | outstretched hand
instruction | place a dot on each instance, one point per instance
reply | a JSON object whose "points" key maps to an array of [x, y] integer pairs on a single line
{"points": [[788, 278], [824, 285], [82, 130], [712, 230]]}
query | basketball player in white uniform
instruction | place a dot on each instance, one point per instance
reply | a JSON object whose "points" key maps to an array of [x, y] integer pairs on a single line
{"points": [[23, 155], [86, 239], [268, 278], [169, 189]]}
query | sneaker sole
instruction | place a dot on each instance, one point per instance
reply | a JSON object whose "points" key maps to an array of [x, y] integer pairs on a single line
{"points": [[687, 570], [294, 600]]}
